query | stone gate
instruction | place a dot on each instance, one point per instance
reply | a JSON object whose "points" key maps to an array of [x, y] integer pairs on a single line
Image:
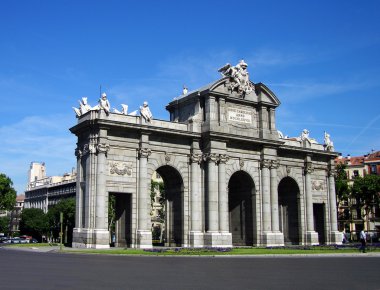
{"points": [[230, 177]]}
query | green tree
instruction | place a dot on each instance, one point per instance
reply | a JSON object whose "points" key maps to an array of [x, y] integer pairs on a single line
{"points": [[4, 225], [34, 222], [7, 193], [67, 207], [366, 190], [342, 188]]}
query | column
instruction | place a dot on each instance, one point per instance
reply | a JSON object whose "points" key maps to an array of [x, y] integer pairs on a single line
{"points": [[309, 198], [265, 189], [196, 234], [196, 203], [144, 234], [212, 182], [274, 196], [223, 195], [311, 235], [79, 193], [100, 212], [335, 235]]}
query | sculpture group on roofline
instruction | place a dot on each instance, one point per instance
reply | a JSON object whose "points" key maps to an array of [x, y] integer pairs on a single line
{"points": [[305, 136], [104, 104]]}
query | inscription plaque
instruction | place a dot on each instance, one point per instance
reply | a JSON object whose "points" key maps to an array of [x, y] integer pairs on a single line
{"points": [[239, 115]]}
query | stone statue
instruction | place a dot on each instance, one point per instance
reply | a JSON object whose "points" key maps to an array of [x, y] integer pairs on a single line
{"points": [[84, 107], [104, 104], [305, 137], [329, 145], [239, 78], [124, 110], [185, 90], [145, 112]]}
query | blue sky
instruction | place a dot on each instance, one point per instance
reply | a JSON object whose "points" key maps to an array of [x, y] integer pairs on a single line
{"points": [[321, 59]]}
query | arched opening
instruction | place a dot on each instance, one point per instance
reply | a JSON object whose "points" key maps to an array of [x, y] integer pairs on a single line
{"points": [[241, 190], [288, 193], [167, 207]]}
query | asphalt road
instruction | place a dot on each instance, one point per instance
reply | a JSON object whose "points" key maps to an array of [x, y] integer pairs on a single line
{"points": [[32, 270]]}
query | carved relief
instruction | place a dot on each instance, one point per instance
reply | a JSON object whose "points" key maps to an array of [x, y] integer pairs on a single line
{"points": [[78, 153], [317, 185], [241, 163], [88, 148], [167, 158], [121, 168]]}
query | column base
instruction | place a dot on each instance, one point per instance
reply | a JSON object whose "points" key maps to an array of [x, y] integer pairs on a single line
{"points": [[196, 239], [272, 239], [311, 238], [91, 238], [144, 239], [336, 238], [218, 239]]}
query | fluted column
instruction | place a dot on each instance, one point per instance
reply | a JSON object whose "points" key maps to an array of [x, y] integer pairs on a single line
{"points": [[309, 197], [100, 212], [79, 193], [223, 195], [212, 182], [144, 197], [265, 183], [196, 203], [332, 201], [274, 196]]}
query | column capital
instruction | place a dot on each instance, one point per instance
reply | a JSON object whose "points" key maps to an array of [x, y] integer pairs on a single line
{"points": [[88, 149], [223, 158], [144, 152], [211, 157], [274, 164], [195, 158], [331, 171], [78, 153], [102, 148], [265, 163], [308, 168]]}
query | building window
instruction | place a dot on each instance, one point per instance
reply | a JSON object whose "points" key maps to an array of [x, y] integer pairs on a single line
{"points": [[356, 173], [373, 169]]}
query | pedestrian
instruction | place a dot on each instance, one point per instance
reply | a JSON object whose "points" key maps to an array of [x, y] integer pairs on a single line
{"points": [[363, 238]]}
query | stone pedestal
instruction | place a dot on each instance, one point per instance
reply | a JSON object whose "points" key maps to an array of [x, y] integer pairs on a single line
{"points": [[311, 238], [218, 240], [196, 239], [335, 238], [270, 239], [144, 239], [91, 238]]}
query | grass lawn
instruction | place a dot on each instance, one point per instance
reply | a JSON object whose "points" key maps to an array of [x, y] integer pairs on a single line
{"points": [[37, 245], [211, 252]]}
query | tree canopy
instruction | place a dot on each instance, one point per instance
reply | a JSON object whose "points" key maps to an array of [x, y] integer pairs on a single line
{"points": [[34, 222], [4, 225], [367, 190], [342, 188], [7, 193]]}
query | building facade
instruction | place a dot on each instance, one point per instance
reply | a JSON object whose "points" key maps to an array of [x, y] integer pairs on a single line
{"points": [[351, 215], [230, 177], [45, 191]]}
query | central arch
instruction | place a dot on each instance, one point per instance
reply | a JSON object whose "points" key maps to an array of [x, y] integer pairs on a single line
{"points": [[173, 205], [289, 216], [241, 190]]}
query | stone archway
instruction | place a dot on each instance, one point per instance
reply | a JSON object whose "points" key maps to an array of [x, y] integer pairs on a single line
{"points": [[173, 205], [288, 199], [241, 190]]}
